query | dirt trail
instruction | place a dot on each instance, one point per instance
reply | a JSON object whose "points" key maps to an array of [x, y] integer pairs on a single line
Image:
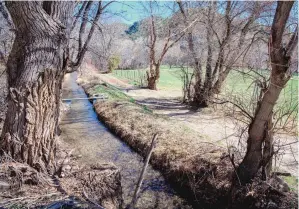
{"points": [[208, 122]]}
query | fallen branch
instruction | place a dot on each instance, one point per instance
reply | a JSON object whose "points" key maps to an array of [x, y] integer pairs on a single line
{"points": [[140, 180], [282, 173], [18, 199]]}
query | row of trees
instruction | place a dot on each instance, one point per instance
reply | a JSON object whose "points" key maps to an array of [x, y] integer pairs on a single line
{"points": [[212, 38]]}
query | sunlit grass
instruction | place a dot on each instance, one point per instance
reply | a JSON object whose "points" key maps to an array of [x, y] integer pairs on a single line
{"points": [[292, 181]]}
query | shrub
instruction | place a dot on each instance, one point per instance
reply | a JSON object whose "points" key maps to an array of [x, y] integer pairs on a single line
{"points": [[113, 63]]}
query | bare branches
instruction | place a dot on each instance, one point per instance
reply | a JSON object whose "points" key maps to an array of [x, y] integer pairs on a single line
{"points": [[243, 110], [84, 22], [82, 47], [280, 19], [292, 43], [78, 14]]}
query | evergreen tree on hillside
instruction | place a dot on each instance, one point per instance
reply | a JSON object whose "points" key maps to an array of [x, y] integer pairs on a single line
{"points": [[133, 28]]}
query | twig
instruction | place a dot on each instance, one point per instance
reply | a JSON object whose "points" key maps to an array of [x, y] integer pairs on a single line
{"points": [[140, 180], [283, 145], [238, 106]]}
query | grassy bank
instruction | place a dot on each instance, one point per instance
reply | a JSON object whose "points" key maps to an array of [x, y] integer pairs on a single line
{"points": [[185, 158], [199, 169]]}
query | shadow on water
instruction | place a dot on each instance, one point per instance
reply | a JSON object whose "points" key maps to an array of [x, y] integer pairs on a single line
{"points": [[91, 139]]}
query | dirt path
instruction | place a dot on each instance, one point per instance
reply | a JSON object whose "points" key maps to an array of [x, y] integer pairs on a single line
{"points": [[218, 128]]}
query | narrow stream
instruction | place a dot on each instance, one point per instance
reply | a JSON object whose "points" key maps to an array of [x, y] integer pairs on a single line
{"points": [[91, 139]]}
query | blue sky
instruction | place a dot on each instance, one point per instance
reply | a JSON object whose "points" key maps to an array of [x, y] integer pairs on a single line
{"points": [[131, 11]]}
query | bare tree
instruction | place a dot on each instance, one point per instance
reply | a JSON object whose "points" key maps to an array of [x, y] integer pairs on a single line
{"points": [[229, 42], [80, 48], [258, 133], [155, 59]]}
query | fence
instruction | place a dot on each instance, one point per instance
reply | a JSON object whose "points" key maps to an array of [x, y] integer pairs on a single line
{"points": [[137, 77]]}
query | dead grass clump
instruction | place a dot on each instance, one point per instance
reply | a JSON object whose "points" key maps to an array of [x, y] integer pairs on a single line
{"points": [[99, 184], [23, 186], [261, 194], [74, 186], [14, 175]]}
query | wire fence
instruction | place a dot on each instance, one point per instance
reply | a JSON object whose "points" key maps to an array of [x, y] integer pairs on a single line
{"points": [[136, 77]]}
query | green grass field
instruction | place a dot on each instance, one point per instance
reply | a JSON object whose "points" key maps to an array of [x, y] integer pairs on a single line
{"points": [[169, 78], [236, 84]]}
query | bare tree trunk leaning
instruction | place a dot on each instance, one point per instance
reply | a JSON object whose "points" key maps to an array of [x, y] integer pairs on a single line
{"points": [[35, 68], [280, 61]]}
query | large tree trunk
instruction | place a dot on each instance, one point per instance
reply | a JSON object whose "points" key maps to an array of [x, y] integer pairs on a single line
{"points": [[220, 81], [35, 68], [198, 99], [207, 88], [280, 60], [153, 76]]}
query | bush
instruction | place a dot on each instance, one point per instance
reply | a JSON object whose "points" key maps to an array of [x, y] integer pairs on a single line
{"points": [[113, 63]]}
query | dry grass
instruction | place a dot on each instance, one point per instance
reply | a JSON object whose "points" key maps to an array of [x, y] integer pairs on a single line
{"points": [[183, 156]]}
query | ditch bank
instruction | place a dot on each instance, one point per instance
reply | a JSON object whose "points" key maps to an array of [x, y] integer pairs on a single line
{"points": [[200, 170], [197, 168]]}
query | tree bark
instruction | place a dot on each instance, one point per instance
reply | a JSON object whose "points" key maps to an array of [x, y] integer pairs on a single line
{"points": [[198, 99], [268, 149], [35, 67], [153, 76], [221, 78], [280, 61], [207, 88]]}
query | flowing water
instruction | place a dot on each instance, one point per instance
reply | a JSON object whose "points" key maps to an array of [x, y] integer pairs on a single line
{"points": [[91, 139]]}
